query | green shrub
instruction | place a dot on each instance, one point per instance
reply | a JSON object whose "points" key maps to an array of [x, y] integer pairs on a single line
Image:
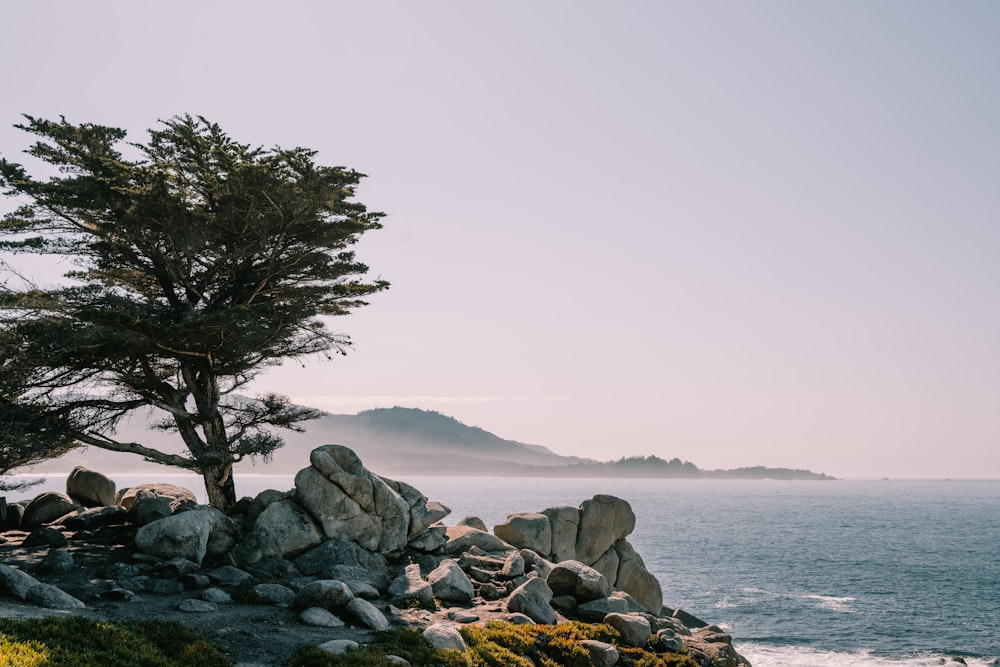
{"points": [[80, 642]]}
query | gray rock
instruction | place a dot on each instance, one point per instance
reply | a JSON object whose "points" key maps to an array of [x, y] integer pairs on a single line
{"points": [[50, 597], [462, 538], [89, 488], [473, 522], [462, 616], [329, 594], [607, 565], [430, 540], [340, 646], [359, 574], [335, 551], [191, 535], [367, 614], [274, 594], [526, 531], [283, 529], [320, 617], [46, 508], [216, 595], [602, 654], [195, 606], [177, 496], [532, 599], [227, 575], [514, 566], [362, 589], [16, 582], [162, 586], [634, 630], [450, 583], [96, 517], [444, 636], [535, 563], [148, 508], [668, 641], [603, 521], [565, 523], [45, 537], [584, 583], [178, 567], [58, 561], [118, 594], [636, 580], [410, 586], [517, 618], [595, 610]]}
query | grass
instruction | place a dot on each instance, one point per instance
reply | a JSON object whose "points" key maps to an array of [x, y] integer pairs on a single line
{"points": [[80, 642]]}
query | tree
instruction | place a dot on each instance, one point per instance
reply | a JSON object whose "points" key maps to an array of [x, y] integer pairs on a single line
{"points": [[199, 261]]}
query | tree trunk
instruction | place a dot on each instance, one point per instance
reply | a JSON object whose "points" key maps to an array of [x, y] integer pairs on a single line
{"points": [[219, 486]]}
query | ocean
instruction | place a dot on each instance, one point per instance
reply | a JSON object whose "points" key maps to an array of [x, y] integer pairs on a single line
{"points": [[800, 573]]}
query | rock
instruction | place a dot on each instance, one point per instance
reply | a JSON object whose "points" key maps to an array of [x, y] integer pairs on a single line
{"points": [[16, 582], [462, 538], [607, 565], [11, 515], [58, 561], [96, 517], [443, 636], [274, 594], [320, 617], [351, 503], [602, 654], [362, 589], [584, 583], [148, 508], [514, 566], [283, 529], [409, 586], [163, 586], [46, 508], [50, 597], [603, 521], [356, 573], [667, 641], [177, 496], [636, 580], [423, 513], [712, 642], [397, 660], [462, 616], [430, 540], [228, 575], [634, 630], [595, 610], [532, 599], [118, 594], [182, 535], [89, 488], [535, 563], [339, 646], [45, 537], [329, 594], [335, 551], [195, 606], [526, 531], [178, 567], [450, 583], [517, 618], [473, 522], [216, 595], [565, 522], [367, 614]]}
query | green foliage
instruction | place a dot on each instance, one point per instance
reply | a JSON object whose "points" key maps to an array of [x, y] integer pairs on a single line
{"points": [[401, 642], [198, 263], [80, 642]]}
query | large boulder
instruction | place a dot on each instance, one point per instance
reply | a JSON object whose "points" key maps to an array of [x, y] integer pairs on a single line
{"points": [[192, 535], [45, 508], [328, 594], [409, 586], [350, 502], [527, 530], [423, 513], [532, 598], [444, 636], [603, 521], [450, 583], [565, 522], [335, 557], [463, 538], [634, 579], [89, 488], [584, 583], [283, 530], [177, 496], [634, 629]]}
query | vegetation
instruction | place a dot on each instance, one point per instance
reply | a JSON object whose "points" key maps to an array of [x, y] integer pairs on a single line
{"points": [[497, 644], [198, 262], [80, 642]]}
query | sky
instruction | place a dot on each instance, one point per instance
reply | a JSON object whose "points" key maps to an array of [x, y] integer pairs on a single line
{"points": [[735, 233]]}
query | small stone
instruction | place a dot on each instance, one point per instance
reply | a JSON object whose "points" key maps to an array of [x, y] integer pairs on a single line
{"points": [[274, 594], [444, 635], [194, 606], [462, 616], [58, 561], [518, 618], [216, 595], [118, 594], [163, 586], [601, 653], [339, 646], [227, 575], [320, 617]]}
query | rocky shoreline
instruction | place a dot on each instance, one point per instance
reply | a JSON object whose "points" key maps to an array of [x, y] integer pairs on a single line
{"points": [[344, 554]]}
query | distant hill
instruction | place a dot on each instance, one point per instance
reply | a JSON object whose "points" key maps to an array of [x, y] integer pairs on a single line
{"points": [[409, 441]]}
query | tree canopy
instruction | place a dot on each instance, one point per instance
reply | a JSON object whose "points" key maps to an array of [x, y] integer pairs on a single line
{"points": [[198, 261]]}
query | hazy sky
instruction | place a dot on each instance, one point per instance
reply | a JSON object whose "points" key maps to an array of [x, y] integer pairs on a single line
{"points": [[735, 233]]}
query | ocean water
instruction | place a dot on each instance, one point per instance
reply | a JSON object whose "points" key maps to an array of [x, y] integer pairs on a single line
{"points": [[802, 574]]}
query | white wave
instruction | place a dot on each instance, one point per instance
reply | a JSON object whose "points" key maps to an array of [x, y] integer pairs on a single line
{"points": [[766, 655], [833, 603]]}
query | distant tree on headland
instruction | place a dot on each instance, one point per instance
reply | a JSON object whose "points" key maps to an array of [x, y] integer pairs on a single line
{"points": [[199, 261]]}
